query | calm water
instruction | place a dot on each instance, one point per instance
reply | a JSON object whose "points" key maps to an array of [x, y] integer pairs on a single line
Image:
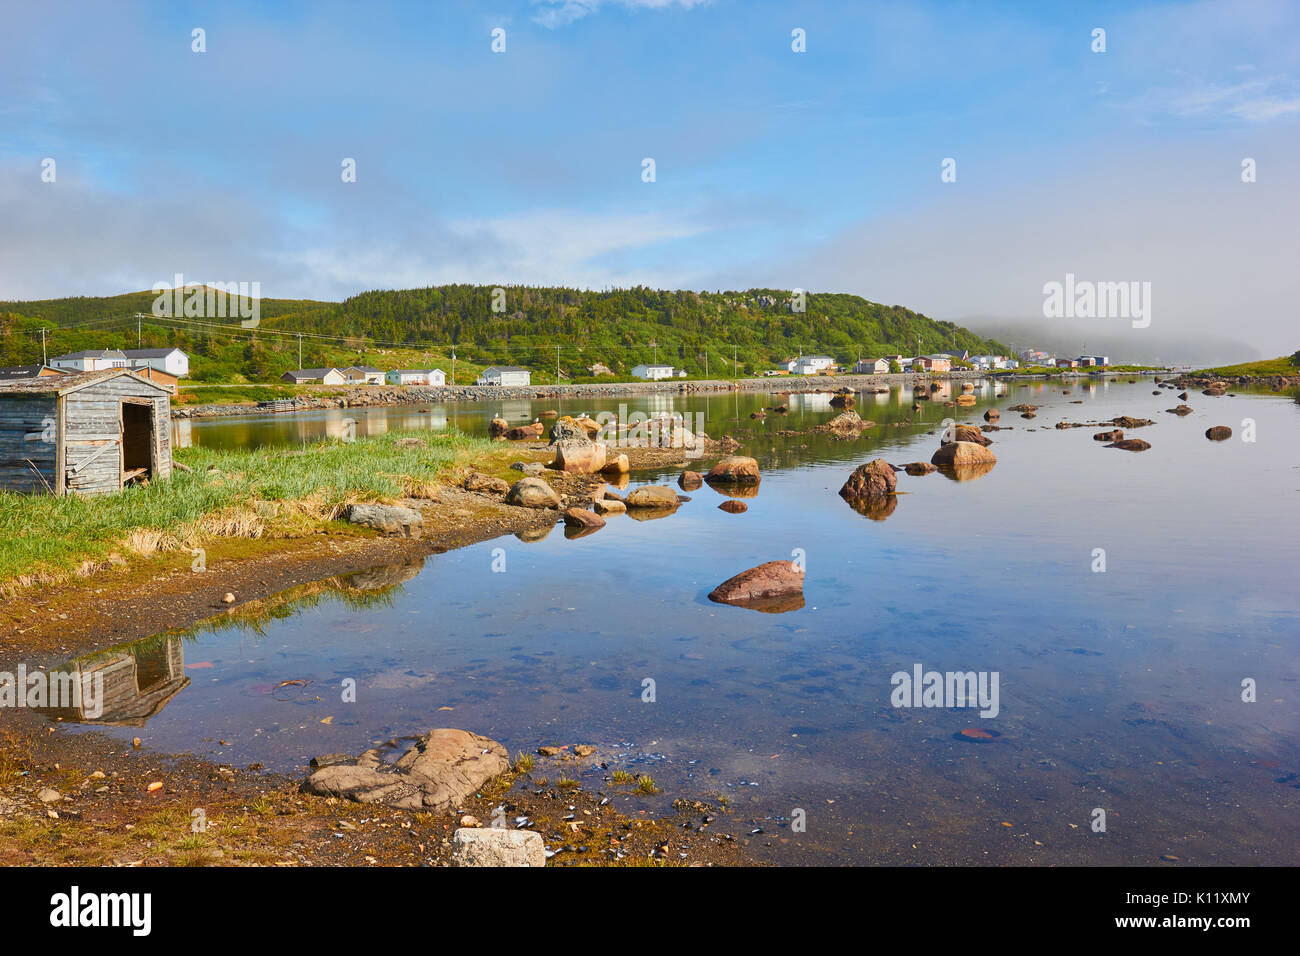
{"points": [[1119, 690]]}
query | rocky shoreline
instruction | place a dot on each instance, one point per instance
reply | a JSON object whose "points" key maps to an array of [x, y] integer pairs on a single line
{"points": [[366, 396]]}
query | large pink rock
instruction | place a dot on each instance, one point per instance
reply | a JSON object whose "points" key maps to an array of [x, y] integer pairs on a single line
{"points": [[774, 586]]}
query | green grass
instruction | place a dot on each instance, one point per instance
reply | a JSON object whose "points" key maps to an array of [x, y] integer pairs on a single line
{"points": [[233, 394], [252, 493], [1287, 365]]}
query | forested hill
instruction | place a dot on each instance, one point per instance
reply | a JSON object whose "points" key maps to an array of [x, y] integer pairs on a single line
{"points": [[619, 328]]}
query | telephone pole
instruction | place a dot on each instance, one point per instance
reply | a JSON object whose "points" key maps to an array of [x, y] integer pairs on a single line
{"points": [[300, 350], [42, 347], [453, 365], [139, 333], [557, 365]]}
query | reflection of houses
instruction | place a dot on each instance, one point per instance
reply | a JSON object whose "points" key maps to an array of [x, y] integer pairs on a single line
{"points": [[138, 682]]}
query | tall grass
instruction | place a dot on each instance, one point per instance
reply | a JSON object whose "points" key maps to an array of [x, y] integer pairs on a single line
{"points": [[230, 493]]}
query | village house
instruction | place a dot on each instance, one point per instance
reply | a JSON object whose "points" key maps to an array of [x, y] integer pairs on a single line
{"points": [[172, 361], [505, 375], [417, 376], [87, 433], [307, 376], [1094, 360], [871, 366], [812, 364], [652, 372], [935, 363], [363, 375], [90, 360]]}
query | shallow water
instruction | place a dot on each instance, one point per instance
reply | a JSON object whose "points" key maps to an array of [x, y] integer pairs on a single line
{"points": [[1119, 690]]}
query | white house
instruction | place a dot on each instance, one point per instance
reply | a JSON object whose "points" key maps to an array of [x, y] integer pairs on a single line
{"points": [[363, 375], [872, 366], [417, 376], [505, 375], [653, 372], [172, 361], [304, 376], [812, 364], [91, 360], [988, 361]]}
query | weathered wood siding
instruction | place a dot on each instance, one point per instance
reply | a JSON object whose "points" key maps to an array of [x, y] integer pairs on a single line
{"points": [[92, 418], [27, 459]]}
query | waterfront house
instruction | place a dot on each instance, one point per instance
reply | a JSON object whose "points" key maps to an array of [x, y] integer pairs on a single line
{"points": [[417, 376], [652, 372], [1094, 360], [935, 363], [813, 364], [172, 361], [505, 375], [872, 366], [87, 433], [308, 376], [90, 360], [363, 375]]}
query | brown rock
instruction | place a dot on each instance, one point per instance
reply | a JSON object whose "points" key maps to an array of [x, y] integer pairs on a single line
{"points": [[1180, 411], [532, 493], [690, 480], [734, 470], [918, 468], [609, 506], [579, 457], [498, 427], [1115, 435], [525, 432], [486, 483], [581, 518], [652, 496], [772, 587], [1218, 433], [1130, 444], [618, 465], [964, 433], [734, 507], [960, 453], [871, 480]]}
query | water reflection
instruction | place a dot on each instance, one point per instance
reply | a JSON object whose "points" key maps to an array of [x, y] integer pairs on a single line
{"points": [[136, 682]]}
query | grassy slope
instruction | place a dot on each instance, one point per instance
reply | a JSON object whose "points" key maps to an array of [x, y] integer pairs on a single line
{"points": [[1286, 365], [257, 493]]}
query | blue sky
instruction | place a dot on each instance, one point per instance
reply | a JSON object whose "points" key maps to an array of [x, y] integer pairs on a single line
{"points": [[774, 168]]}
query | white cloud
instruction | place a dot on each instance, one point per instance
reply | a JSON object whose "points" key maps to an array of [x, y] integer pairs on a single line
{"points": [[558, 13]]}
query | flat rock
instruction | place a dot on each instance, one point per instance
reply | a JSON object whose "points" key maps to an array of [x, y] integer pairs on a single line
{"points": [[734, 470], [390, 519], [582, 518], [486, 483], [772, 586], [652, 496], [496, 846], [443, 769], [959, 453]]}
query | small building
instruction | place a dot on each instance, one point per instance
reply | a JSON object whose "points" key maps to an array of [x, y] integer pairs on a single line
{"points": [[813, 364], [935, 363], [87, 433], [1094, 360], [652, 372], [416, 376], [172, 361], [90, 360], [309, 376], [872, 366], [363, 375], [15, 372], [505, 375]]}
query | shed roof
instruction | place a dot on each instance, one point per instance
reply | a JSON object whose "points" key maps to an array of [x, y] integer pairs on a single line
{"points": [[151, 353], [62, 384], [504, 368]]}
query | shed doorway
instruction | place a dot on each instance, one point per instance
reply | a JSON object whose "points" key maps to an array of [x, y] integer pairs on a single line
{"points": [[137, 442]]}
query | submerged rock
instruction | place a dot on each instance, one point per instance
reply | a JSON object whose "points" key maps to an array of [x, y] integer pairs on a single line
{"points": [[1130, 444], [772, 587], [734, 470], [652, 496], [919, 468], [959, 453], [732, 506], [1218, 433], [963, 433], [1115, 435], [1180, 411], [874, 479], [690, 480], [582, 518], [443, 769]]}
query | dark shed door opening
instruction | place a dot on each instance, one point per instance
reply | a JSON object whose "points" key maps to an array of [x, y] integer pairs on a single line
{"points": [[137, 441]]}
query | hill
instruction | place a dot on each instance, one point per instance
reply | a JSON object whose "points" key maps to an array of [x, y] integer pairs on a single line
{"points": [[699, 331]]}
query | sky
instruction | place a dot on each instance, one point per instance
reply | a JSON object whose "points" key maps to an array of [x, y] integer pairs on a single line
{"points": [[819, 169]]}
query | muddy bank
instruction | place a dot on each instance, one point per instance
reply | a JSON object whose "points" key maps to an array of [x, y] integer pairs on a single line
{"points": [[378, 395]]}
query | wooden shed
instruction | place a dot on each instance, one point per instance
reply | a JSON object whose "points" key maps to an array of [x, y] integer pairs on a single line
{"points": [[86, 433]]}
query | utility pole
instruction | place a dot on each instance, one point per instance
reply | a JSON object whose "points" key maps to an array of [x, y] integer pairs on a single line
{"points": [[735, 368], [706, 363], [453, 365], [557, 365], [300, 350], [139, 333], [42, 347]]}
